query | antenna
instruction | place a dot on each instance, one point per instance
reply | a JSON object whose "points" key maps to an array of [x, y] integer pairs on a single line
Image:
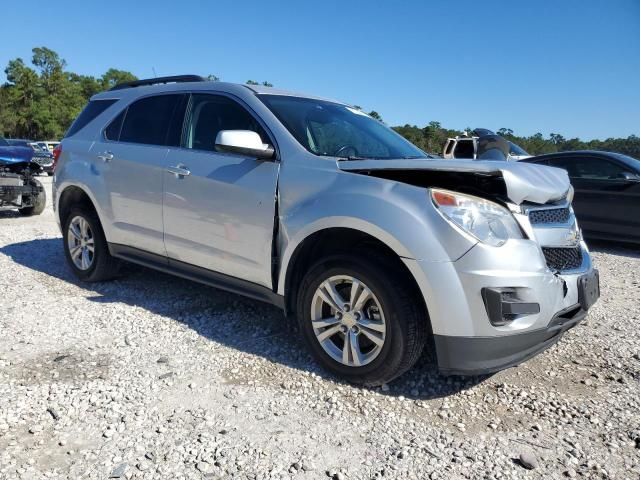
{"points": [[154, 71]]}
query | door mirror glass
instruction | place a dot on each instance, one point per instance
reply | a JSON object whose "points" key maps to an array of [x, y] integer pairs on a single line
{"points": [[243, 142], [630, 176]]}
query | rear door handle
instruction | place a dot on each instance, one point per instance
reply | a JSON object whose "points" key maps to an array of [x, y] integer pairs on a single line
{"points": [[105, 156], [180, 171]]}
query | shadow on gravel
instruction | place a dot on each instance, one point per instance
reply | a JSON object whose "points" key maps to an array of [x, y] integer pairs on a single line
{"points": [[237, 322]]}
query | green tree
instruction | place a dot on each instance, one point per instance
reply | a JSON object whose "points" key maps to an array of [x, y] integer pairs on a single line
{"points": [[40, 102], [376, 115], [264, 84], [113, 77]]}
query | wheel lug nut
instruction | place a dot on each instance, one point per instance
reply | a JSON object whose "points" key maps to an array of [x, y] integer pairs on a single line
{"points": [[338, 315], [346, 308]]}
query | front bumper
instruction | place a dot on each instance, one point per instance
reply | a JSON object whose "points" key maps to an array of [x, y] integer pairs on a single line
{"points": [[466, 340], [482, 355]]}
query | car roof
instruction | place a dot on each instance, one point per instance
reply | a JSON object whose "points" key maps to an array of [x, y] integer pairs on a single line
{"points": [[133, 92]]}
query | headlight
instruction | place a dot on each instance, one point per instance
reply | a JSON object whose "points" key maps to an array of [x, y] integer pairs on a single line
{"points": [[487, 221]]}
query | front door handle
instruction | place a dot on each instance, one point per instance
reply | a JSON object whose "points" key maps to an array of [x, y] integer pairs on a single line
{"points": [[180, 171], [105, 156]]}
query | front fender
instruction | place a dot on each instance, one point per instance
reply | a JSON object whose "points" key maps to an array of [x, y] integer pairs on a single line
{"points": [[399, 215]]}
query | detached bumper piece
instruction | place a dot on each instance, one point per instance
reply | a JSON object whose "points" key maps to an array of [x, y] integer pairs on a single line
{"points": [[482, 355]]}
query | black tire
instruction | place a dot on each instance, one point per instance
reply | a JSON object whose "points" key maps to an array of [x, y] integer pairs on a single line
{"points": [[40, 201], [50, 174], [404, 312], [104, 266]]}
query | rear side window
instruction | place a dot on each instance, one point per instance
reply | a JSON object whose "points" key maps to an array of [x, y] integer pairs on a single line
{"points": [[147, 120], [91, 111], [112, 132]]}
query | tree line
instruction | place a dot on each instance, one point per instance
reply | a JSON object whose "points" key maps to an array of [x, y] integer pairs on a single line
{"points": [[40, 102], [432, 137]]}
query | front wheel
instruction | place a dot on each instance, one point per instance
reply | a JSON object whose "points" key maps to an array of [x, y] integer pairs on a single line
{"points": [[362, 318]]}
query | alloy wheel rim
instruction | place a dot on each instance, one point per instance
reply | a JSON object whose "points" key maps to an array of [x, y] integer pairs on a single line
{"points": [[81, 243], [348, 321]]}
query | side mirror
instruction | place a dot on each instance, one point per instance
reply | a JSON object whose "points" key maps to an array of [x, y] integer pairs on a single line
{"points": [[630, 177], [243, 142]]}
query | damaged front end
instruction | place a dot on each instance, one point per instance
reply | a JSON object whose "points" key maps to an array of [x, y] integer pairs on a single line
{"points": [[539, 197], [18, 187], [503, 182], [527, 279]]}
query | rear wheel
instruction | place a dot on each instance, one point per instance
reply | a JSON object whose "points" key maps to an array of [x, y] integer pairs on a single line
{"points": [[85, 247], [39, 201], [362, 318]]}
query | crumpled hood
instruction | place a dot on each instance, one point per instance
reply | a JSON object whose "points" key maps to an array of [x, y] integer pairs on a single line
{"points": [[525, 182], [15, 154]]}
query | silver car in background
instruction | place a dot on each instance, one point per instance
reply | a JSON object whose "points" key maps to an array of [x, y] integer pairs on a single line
{"points": [[376, 250]]}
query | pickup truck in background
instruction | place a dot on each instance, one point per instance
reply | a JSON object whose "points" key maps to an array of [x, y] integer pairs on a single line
{"points": [[483, 144]]}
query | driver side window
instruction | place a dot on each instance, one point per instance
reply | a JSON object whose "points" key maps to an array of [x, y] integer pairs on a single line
{"points": [[589, 168], [209, 114]]}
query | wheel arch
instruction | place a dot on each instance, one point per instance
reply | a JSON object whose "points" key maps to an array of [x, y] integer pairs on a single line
{"points": [[73, 195], [323, 242]]}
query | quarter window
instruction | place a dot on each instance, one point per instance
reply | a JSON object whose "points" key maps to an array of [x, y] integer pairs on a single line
{"points": [[112, 132], [147, 120], [209, 114], [91, 111]]}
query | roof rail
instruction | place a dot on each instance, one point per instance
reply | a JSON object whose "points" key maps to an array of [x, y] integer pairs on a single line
{"points": [[157, 80]]}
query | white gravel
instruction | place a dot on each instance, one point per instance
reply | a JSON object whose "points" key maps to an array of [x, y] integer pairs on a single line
{"points": [[152, 376]]}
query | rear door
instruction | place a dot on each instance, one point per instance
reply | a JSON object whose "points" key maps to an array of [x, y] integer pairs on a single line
{"points": [[605, 202], [131, 159], [220, 214]]}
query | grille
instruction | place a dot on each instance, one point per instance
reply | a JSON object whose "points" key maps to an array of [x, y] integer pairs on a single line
{"points": [[552, 215], [563, 258]]}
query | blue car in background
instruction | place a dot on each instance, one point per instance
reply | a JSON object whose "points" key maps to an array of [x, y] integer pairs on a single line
{"points": [[18, 186]]}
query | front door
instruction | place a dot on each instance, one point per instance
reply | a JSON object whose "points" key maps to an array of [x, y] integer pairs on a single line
{"points": [[219, 208]]}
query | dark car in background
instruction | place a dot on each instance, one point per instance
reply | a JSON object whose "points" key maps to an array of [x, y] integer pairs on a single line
{"points": [[41, 156], [607, 192]]}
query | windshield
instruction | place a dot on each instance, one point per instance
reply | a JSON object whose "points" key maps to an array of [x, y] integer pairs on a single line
{"points": [[3, 142], [516, 150], [331, 129]]}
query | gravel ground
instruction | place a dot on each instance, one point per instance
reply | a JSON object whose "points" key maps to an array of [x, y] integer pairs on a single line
{"points": [[152, 376]]}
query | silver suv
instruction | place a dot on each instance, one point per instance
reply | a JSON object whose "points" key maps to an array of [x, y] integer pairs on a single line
{"points": [[378, 251]]}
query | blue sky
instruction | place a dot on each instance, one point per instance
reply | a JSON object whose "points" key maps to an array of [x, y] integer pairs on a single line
{"points": [[569, 67]]}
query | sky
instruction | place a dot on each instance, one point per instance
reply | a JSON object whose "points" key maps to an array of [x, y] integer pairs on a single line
{"points": [[570, 67]]}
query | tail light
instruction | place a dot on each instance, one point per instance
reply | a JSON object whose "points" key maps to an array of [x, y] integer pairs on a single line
{"points": [[56, 155]]}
